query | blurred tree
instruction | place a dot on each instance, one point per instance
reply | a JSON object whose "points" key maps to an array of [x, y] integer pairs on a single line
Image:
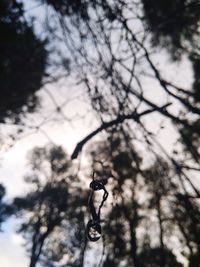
{"points": [[118, 155], [52, 213], [115, 74], [187, 217], [113, 47], [175, 24], [191, 141], [45, 208], [6, 209], [195, 60], [2, 206], [159, 185], [151, 258], [145, 204], [23, 60]]}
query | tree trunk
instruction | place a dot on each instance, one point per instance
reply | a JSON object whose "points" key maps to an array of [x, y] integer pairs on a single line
{"points": [[162, 252], [82, 254], [37, 249], [33, 261], [133, 243]]}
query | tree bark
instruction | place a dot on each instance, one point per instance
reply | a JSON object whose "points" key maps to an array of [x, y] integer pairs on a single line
{"points": [[162, 252], [133, 243], [33, 261]]}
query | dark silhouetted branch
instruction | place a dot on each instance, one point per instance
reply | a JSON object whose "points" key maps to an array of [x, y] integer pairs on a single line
{"points": [[120, 119]]}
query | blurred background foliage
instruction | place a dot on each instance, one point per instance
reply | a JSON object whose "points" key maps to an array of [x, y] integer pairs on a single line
{"points": [[152, 216]]}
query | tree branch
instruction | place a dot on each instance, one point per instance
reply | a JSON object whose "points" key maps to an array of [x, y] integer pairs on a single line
{"points": [[119, 120]]}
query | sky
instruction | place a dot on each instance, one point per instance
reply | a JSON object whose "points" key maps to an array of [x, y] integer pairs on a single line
{"points": [[67, 133], [14, 166], [13, 162], [61, 132]]}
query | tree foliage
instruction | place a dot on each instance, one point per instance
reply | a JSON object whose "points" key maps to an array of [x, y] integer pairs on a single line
{"points": [[23, 59], [115, 50], [151, 257], [140, 223], [173, 23], [6, 210], [52, 213]]}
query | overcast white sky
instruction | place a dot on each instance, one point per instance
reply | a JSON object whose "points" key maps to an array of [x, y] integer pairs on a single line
{"points": [[13, 164]]}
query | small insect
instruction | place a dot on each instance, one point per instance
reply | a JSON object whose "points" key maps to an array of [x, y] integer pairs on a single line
{"points": [[94, 225], [93, 230]]}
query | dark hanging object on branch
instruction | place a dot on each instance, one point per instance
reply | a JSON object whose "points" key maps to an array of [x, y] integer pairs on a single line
{"points": [[94, 225]]}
